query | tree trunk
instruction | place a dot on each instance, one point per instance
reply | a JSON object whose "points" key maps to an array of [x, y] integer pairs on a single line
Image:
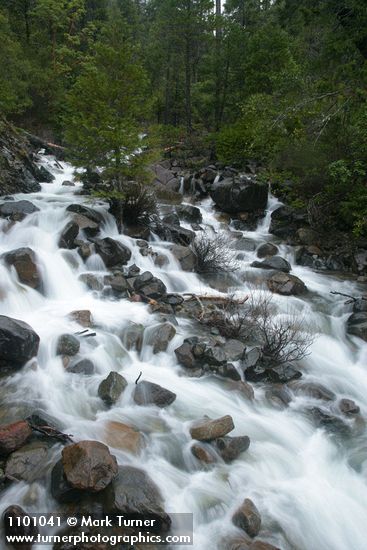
{"points": [[218, 48], [188, 39]]}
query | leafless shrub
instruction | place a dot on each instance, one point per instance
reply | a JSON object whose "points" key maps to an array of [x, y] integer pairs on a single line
{"points": [[136, 204], [283, 339], [214, 253]]}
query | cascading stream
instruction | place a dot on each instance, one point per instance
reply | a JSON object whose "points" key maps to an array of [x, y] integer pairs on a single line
{"points": [[310, 486]]}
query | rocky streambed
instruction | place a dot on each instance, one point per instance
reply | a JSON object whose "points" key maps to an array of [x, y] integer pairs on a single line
{"points": [[124, 392]]}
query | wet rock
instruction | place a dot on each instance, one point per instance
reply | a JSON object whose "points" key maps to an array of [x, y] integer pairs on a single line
{"points": [[279, 395], [325, 419], [119, 284], [113, 253], [207, 430], [174, 300], [61, 490], [207, 354], [189, 213], [228, 371], [285, 284], [133, 492], [17, 210], [68, 183], [18, 342], [137, 231], [357, 325], [244, 244], [15, 521], [24, 262], [244, 388], [85, 224], [84, 366], [148, 393], [84, 250], [13, 436], [160, 336], [257, 369], [230, 448], [185, 356], [89, 213], [161, 260], [121, 436], [360, 304], [275, 262], [89, 466], [91, 281], [27, 463], [171, 219], [68, 235], [203, 453], [185, 257], [67, 344], [132, 337], [286, 220], [234, 349], [248, 518], [267, 249], [283, 373], [111, 388], [174, 233], [233, 195], [348, 407], [315, 390], [82, 316], [307, 236], [150, 286]]}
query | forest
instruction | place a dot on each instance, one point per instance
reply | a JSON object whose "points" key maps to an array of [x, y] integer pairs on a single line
{"points": [[279, 83]]}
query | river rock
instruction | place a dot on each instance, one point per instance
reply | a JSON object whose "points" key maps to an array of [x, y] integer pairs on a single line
{"points": [[357, 325], [275, 262], [134, 493], [227, 371], [61, 490], [233, 196], [119, 284], [348, 407], [230, 448], [89, 465], [68, 183], [279, 395], [189, 213], [148, 393], [185, 257], [203, 453], [174, 233], [27, 463], [185, 356], [17, 210], [315, 390], [24, 262], [285, 221], [89, 213], [113, 253], [84, 366], [247, 517], [171, 219], [360, 304], [15, 525], [67, 344], [325, 419], [207, 429], [84, 249], [132, 337], [18, 342], [91, 281], [121, 436], [111, 388], [160, 336], [266, 250], [13, 436], [234, 349], [150, 286], [85, 224], [68, 235], [82, 316], [285, 284]]}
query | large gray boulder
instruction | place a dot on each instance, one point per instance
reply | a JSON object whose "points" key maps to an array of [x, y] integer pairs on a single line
{"points": [[17, 210], [112, 252], [24, 262], [18, 342], [235, 195], [276, 262]]}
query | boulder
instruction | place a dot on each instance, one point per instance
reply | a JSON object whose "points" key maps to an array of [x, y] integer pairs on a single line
{"points": [[308, 236], [134, 493], [266, 250], [285, 284], [17, 210], [84, 366], [275, 262], [85, 224], [111, 388], [132, 337], [150, 286], [247, 517], [234, 349], [171, 219], [348, 407], [61, 490], [89, 466], [68, 183], [279, 395], [82, 316], [227, 371], [285, 221], [17, 523], [24, 262], [68, 235], [27, 463], [189, 213], [185, 257], [357, 325], [174, 233], [207, 429], [230, 448], [243, 243], [185, 356], [91, 281], [89, 213], [234, 195], [113, 253], [160, 336], [315, 390], [67, 344], [148, 393], [121, 436], [13, 436], [18, 341], [330, 422], [204, 454], [84, 250]]}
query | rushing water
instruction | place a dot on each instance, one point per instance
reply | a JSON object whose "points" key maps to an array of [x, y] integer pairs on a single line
{"points": [[309, 486]]}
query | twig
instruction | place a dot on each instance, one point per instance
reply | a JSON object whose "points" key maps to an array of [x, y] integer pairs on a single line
{"points": [[138, 378], [351, 298]]}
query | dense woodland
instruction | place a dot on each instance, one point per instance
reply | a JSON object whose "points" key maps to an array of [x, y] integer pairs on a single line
{"points": [[282, 83]]}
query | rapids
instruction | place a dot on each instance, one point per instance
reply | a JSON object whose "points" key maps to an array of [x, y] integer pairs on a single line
{"points": [[309, 485]]}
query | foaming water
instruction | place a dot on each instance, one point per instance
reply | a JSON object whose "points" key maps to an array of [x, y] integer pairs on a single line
{"points": [[309, 485]]}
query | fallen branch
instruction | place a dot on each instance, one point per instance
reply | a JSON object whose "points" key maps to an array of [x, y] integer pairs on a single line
{"points": [[48, 431], [351, 298]]}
